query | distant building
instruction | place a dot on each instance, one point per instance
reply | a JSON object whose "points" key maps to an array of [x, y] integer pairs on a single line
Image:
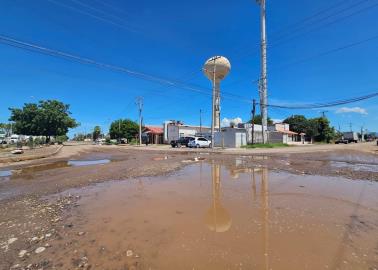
{"points": [[257, 134], [173, 130], [230, 137], [281, 133], [154, 134]]}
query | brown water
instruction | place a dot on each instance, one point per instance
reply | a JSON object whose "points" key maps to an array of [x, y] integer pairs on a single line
{"points": [[210, 216]]}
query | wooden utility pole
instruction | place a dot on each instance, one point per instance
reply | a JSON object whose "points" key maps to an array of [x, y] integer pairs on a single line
{"points": [[253, 120]]}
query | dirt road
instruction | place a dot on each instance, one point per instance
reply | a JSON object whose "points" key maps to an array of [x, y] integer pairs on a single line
{"points": [[108, 207]]}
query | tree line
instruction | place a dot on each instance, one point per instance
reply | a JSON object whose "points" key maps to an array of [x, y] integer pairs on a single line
{"points": [[318, 128], [48, 118]]}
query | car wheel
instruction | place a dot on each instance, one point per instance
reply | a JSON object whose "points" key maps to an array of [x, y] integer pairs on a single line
{"points": [[197, 146], [178, 145], [210, 145]]}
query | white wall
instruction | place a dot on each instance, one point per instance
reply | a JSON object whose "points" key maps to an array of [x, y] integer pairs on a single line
{"points": [[230, 137]]}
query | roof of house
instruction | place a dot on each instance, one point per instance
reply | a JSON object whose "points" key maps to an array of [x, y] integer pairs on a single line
{"points": [[154, 130]]}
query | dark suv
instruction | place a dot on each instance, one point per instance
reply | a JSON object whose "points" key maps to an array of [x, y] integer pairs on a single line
{"points": [[182, 141]]}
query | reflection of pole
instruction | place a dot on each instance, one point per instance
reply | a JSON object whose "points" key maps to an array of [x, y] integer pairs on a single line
{"points": [[254, 184], [200, 174], [265, 210], [215, 173]]}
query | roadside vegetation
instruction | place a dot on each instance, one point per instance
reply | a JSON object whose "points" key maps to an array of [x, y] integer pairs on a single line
{"points": [[267, 145], [47, 118]]}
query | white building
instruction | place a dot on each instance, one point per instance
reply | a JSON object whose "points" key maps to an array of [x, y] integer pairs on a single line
{"points": [[230, 137], [257, 134], [173, 130]]}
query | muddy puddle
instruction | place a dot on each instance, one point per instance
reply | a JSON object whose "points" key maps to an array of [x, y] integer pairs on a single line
{"points": [[210, 216], [56, 165], [5, 175], [78, 163], [355, 166]]}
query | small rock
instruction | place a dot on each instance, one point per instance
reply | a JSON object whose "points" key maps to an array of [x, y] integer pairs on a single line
{"points": [[34, 239], [22, 253], [40, 249], [129, 253], [80, 233], [12, 240]]}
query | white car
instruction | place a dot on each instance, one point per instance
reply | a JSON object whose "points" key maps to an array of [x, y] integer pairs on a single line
{"points": [[199, 142]]}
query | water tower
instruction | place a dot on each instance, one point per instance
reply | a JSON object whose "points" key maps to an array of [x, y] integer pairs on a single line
{"points": [[216, 69]]}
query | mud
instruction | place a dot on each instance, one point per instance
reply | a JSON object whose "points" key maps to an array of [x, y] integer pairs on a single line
{"points": [[163, 210]]}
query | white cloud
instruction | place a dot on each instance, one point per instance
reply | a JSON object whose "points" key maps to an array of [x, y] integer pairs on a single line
{"points": [[277, 121], [227, 121], [352, 110]]}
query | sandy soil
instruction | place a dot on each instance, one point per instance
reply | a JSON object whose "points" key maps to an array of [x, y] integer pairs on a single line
{"points": [[33, 227]]}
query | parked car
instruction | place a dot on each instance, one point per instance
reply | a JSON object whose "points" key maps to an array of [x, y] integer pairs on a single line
{"points": [[200, 142], [182, 141], [341, 141]]}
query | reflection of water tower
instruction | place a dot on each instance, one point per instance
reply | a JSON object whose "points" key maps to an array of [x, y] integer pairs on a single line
{"points": [[217, 218], [216, 69]]}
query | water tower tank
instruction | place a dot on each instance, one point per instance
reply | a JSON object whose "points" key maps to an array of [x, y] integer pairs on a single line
{"points": [[220, 65]]}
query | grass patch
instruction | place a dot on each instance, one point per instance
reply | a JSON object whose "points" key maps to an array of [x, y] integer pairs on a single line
{"points": [[267, 145]]}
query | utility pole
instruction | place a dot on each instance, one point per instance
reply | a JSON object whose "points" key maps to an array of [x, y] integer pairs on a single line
{"points": [[263, 85], [350, 125], [201, 121], [323, 114], [253, 120], [362, 133], [139, 103]]}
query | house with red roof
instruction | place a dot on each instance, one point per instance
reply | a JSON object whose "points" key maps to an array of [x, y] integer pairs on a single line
{"points": [[154, 134]]}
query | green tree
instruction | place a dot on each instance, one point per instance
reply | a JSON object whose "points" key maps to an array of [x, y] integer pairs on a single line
{"points": [[258, 120], [26, 120], [5, 128], [298, 123], [96, 133], [123, 128], [47, 118], [79, 137], [320, 129]]}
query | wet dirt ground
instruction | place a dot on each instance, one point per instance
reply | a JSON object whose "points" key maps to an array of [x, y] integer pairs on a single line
{"points": [[125, 209]]}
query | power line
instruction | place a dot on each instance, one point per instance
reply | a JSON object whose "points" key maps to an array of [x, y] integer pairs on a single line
{"points": [[39, 49], [323, 25], [331, 51], [83, 60], [286, 38], [325, 104], [303, 27], [100, 18], [99, 10]]}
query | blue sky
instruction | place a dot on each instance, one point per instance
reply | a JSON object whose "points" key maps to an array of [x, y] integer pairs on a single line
{"points": [[172, 40]]}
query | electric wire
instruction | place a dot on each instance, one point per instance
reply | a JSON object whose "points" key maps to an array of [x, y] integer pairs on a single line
{"points": [[100, 18]]}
